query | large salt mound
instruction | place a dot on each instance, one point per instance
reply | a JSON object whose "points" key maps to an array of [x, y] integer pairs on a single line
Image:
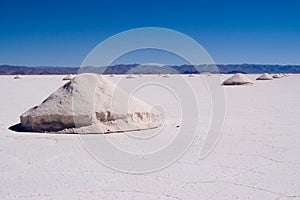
{"points": [[90, 103], [265, 76], [238, 79]]}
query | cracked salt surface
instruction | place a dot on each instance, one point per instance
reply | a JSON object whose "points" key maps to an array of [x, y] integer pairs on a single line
{"points": [[257, 156]]}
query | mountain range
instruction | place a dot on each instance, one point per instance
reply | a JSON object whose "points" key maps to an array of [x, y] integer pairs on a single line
{"points": [[153, 69]]}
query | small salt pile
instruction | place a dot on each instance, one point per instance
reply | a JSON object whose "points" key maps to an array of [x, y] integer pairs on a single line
{"points": [[69, 77], [265, 76], [238, 79], [18, 76]]}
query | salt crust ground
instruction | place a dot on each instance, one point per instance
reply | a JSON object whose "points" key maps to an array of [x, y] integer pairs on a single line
{"points": [[257, 156]]}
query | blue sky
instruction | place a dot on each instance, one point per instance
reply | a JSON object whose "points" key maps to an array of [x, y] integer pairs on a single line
{"points": [[62, 33]]}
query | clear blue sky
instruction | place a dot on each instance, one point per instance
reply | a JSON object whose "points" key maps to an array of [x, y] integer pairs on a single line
{"points": [[61, 33]]}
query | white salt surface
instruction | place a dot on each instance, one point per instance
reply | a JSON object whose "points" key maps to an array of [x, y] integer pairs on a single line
{"points": [[257, 156]]}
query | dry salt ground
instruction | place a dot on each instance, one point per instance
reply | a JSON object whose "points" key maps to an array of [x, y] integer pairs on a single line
{"points": [[256, 157]]}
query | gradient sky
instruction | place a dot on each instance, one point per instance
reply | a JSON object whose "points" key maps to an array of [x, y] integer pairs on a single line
{"points": [[62, 33]]}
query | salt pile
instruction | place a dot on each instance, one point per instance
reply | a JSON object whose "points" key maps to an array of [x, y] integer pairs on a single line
{"points": [[265, 76], [18, 77], [69, 77], [90, 103], [206, 73], [277, 76], [238, 79], [166, 76], [130, 76], [191, 75]]}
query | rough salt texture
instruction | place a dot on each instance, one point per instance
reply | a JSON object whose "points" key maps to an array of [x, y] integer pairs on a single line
{"points": [[256, 157], [238, 79], [90, 104]]}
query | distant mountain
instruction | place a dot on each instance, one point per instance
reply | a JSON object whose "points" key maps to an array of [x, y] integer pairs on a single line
{"points": [[256, 68], [153, 69], [9, 69]]}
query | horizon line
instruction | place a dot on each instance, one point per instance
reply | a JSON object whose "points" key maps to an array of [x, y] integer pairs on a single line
{"points": [[63, 66]]}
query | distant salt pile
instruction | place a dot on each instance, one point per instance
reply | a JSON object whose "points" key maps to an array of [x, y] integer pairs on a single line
{"points": [[130, 76], [277, 76], [238, 79], [18, 76], [69, 77], [191, 75], [166, 76], [265, 76], [206, 73], [90, 104], [112, 75]]}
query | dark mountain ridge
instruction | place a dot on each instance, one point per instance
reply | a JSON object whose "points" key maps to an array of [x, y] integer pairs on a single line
{"points": [[151, 69]]}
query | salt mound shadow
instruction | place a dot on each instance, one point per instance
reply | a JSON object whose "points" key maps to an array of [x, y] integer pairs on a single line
{"points": [[89, 103]]}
